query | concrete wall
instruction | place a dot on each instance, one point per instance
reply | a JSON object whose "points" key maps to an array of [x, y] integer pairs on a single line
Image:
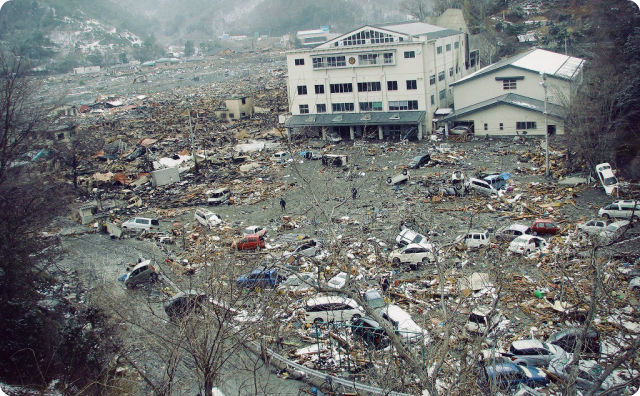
{"points": [[237, 108], [508, 116], [162, 177], [486, 87]]}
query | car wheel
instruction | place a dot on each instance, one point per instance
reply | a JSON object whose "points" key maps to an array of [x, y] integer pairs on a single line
{"points": [[535, 233], [396, 261], [356, 316], [635, 218], [389, 180], [404, 172], [425, 261], [318, 321], [528, 251], [606, 216]]}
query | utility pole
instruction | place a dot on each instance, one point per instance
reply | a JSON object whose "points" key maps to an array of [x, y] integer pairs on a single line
{"points": [[193, 149], [546, 128]]}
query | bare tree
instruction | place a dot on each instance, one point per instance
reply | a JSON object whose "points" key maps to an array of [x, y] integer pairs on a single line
{"points": [[420, 9], [74, 151]]}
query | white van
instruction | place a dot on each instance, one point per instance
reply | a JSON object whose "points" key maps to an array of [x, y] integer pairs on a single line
{"points": [[207, 218], [476, 239], [218, 196], [281, 156], [621, 210], [331, 309], [481, 187], [141, 223]]}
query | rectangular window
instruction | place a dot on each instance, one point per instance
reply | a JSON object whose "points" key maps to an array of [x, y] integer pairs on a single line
{"points": [[526, 125], [302, 89], [328, 61], [299, 62], [341, 107], [441, 76], [409, 54], [412, 84], [439, 50], [432, 79], [403, 105], [456, 45], [448, 47], [392, 85], [486, 126], [370, 106], [304, 109], [509, 84], [340, 88], [321, 108], [368, 59], [501, 126], [388, 57], [433, 100], [451, 72], [319, 89], [443, 94], [369, 86]]}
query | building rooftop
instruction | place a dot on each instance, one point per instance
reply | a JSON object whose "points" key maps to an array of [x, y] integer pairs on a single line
{"points": [[511, 99], [535, 60]]}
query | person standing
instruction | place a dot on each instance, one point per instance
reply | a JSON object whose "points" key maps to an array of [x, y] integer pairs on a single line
{"points": [[283, 204]]}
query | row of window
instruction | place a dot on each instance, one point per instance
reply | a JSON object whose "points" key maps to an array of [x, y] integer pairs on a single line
{"points": [[456, 45], [441, 75], [519, 125], [375, 58], [373, 86], [397, 105]]}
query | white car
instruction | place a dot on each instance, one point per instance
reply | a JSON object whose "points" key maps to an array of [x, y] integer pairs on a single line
{"points": [[527, 244], [281, 156], [592, 227], [337, 281], [615, 230], [509, 233], [534, 353], [607, 178], [308, 248], [480, 321], [299, 283], [407, 236], [331, 309], [413, 254], [404, 324], [261, 231], [207, 218]]}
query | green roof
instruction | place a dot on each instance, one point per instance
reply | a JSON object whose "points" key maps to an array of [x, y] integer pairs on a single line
{"points": [[510, 99], [349, 119]]}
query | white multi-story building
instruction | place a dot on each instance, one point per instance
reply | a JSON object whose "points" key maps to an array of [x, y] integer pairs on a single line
{"points": [[380, 81]]}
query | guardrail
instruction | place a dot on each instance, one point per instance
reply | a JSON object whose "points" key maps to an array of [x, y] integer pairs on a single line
{"points": [[330, 379]]}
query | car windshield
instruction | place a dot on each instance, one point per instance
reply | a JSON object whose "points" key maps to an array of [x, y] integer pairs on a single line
{"points": [[610, 180]]}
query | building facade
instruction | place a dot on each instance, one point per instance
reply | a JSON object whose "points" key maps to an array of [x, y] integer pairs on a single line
{"points": [[376, 81], [522, 95]]}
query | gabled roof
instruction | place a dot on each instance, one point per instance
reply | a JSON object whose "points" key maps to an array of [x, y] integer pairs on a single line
{"points": [[405, 30], [345, 119], [536, 60], [510, 99]]}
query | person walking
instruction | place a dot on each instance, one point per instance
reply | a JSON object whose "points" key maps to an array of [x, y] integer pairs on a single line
{"points": [[354, 193], [283, 204]]}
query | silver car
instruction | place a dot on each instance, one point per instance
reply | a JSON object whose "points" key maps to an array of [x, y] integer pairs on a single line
{"points": [[534, 353]]}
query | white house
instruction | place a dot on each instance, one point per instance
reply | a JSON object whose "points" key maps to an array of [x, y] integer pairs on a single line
{"points": [[518, 95], [377, 81]]}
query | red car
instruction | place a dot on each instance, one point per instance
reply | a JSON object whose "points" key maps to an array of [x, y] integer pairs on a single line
{"points": [[249, 242], [544, 227]]}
